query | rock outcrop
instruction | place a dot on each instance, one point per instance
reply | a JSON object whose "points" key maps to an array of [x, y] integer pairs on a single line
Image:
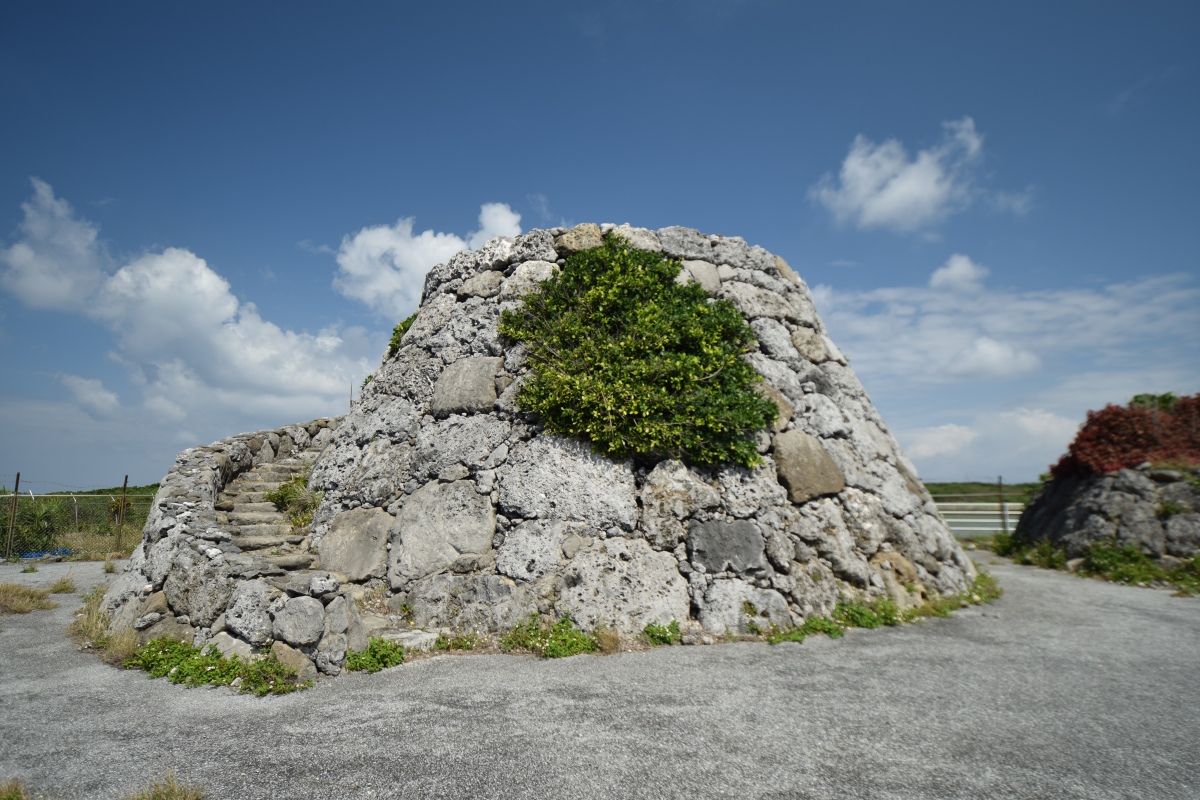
{"points": [[1155, 510], [449, 504]]}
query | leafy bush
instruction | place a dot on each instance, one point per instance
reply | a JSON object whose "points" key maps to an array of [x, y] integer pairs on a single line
{"points": [[627, 358], [180, 662], [398, 334], [380, 654], [659, 634], [1153, 428], [559, 640]]}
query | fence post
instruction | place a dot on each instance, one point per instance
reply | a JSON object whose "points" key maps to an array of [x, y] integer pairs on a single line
{"points": [[121, 512], [12, 519], [1003, 505]]}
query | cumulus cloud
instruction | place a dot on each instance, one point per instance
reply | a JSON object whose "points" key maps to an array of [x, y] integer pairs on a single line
{"points": [[58, 262], [987, 358], [880, 186], [941, 440], [384, 266], [960, 273], [195, 351], [91, 395]]}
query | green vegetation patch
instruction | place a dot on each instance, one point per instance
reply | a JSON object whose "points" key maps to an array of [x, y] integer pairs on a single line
{"points": [[456, 641], [295, 499], [637, 364], [1110, 560], [180, 662], [380, 654], [557, 640], [659, 634], [398, 333]]}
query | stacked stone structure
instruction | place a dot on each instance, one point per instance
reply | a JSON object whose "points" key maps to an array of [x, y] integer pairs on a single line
{"points": [[447, 502]]}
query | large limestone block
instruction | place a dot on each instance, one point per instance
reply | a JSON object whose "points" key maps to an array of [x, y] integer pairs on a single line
{"points": [[685, 243], [639, 238], [300, 622], [467, 386], [786, 409], [485, 284], [526, 279], [197, 587], [248, 615], [556, 477], [484, 603], [704, 274], [581, 237], [804, 467], [737, 607], [439, 523], [754, 302], [291, 657], [624, 584], [356, 545], [533, 550], [735, 546], [671, 494], [457, 440]]}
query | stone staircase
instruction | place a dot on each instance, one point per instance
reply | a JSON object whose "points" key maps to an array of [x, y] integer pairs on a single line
{"points": [[257, 527]]}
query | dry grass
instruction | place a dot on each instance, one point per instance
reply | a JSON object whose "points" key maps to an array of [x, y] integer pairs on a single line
{"points": [[608, 640], [110, 566], [90, 630], [169, 788], [64, 585], [13, 790], [17, 599]]}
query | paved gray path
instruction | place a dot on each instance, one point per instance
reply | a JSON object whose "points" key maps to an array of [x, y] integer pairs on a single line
{"points": [[1064, 688]]}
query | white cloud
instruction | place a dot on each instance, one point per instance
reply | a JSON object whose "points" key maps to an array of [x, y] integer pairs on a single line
{"points": [[195, 351], [384, 266], [986, 358], [879, 186], [941, 440], [91, 395], [959, 272], [58, 262]]}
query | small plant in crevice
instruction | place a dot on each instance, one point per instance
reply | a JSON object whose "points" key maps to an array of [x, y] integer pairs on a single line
{"points": [[379, 655], [549, 640], [181, 662], [662, 634], [295, 499], [398, 334], [456, 641], [638, 364]]}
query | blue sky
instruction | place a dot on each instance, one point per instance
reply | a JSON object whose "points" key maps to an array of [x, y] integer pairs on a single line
{"points": [[212, 215]]}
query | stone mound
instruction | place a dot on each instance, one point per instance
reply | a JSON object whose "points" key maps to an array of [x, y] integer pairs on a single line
{"points": [[447, 507], [1155, 510]]}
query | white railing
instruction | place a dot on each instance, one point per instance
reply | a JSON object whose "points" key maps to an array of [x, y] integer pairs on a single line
{"points": [[969, 519]]}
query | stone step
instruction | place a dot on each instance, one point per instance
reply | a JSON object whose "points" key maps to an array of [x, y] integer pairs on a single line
{"points": [[242, 519], [258, 542], [261, 529], [253, 507], [290, 561]]}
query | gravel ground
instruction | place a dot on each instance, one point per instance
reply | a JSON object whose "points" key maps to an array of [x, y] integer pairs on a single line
{"points": [[1064, 687]]}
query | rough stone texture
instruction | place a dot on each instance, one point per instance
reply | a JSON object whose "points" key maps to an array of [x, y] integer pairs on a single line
{"points": [[490, 519], [734, 546], [555, 477], [291, 657], [1156, 511], [623, 584], [466, 387], [581, 237], [805, 467], [248, 616], [300, 622], [438, 523], [356, 545]]}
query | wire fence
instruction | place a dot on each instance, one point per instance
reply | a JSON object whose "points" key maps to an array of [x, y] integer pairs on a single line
{"points": [[32, 526]]}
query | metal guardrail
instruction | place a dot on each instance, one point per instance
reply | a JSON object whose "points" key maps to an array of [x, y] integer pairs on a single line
{"points": [[974, 519]]}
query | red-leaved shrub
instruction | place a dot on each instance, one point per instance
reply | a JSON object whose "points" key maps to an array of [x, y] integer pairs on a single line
{"points": [[1119, 437]]}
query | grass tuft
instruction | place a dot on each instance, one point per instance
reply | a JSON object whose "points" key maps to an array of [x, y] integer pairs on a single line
{"points": [[18, 599], [380, 654], [456, 641], [169, 788], [64, 585], [659, 635], [558, 640], [14, 790], [180, 662]]}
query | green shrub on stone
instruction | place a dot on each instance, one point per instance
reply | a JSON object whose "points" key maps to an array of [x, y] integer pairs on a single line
{"points": [[180, 662], [559, 640], [659, 634], [398, 334], [636, 363]]}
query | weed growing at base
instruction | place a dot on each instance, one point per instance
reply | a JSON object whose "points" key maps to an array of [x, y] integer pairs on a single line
{"points": [[180, 662], [1120, 563], [17, 599], [636, 363], [169, 788], [882, 611], [456, 641], [64, 585], [559, 640], [659, 635], [380, 654], [295, 499]]}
